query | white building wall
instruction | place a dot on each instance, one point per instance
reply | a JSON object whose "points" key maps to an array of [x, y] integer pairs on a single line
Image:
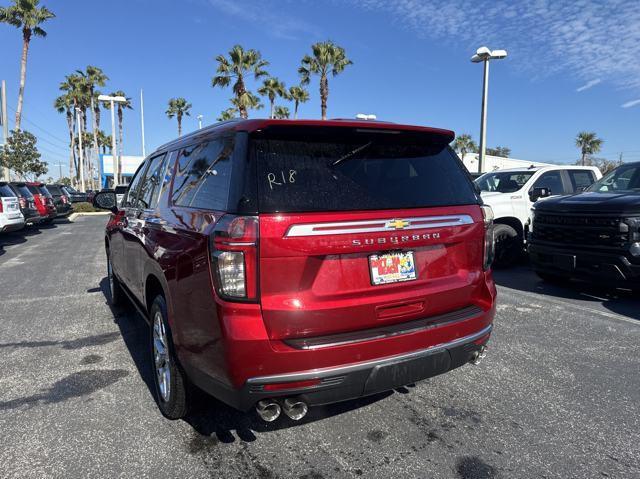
{"points": [[493, 163]]}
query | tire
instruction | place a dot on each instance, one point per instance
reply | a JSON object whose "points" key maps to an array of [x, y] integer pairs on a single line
{"points": [[508, 246], [116, 293], [173, 391], [551, 278]]}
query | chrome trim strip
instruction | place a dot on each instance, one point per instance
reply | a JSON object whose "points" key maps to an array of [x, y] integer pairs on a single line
{"points": [[351, 227], [320, 373]]}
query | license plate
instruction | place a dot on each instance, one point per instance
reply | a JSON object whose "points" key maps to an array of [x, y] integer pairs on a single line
{"points": [[392, 267]]}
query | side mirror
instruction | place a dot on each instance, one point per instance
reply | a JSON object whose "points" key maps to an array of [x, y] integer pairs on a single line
{"points": [[106, 200], [536, 193]]}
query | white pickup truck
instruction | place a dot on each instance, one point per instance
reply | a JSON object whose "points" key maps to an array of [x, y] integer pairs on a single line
{"points": [[512, 192]]}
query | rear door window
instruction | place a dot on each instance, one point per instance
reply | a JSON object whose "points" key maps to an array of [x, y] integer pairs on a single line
{"points": [[24, 191], [340, 169], [552, 180], [581, 179], [130, 199], [203, 174]]}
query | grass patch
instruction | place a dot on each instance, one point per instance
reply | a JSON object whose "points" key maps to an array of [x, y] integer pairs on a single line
{"points": [[84, 207]]}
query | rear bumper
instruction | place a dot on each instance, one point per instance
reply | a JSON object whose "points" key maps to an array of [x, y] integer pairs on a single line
{"points": [[612, 268], [351, 381], [13, 224]]}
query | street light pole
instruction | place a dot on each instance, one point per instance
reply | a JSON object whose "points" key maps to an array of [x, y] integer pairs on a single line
{"points": [[142, 122], [5, 124], [113, 100], [484, 55], [199, 117], [82, 186]]}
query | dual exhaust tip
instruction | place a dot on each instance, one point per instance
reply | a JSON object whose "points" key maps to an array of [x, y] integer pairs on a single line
{"points": [[269, 410]]}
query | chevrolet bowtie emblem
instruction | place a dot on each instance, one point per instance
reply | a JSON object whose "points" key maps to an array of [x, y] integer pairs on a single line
{"points": [[397, 224]]}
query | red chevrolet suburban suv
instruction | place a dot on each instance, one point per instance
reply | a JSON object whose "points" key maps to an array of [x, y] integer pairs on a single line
{"points": [[286, 264]]}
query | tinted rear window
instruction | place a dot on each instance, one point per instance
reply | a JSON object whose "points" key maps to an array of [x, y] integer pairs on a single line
{"points": [[340, 169], [121, 190], [5, 191], [24, 191], [33, 189], [54, 190]]}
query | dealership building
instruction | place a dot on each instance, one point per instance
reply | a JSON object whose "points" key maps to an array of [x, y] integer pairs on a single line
{"points": [[128, 166], [493, 163]]}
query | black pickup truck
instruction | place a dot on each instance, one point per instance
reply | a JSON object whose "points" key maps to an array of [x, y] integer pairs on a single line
{"points": [[593, 235]]}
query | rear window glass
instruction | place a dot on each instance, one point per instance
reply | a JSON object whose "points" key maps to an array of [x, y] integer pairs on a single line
{"points": [[121, 189], [44, 190], [6, 192], [24, 191], [341, 169], [33, 189], [54, 190], [504, 182]]}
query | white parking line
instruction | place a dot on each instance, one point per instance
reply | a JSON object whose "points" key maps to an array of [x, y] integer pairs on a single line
{"points": [[532, 296]]}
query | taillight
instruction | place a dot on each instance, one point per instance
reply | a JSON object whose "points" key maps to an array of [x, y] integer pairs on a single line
{"points": [[64, 199], [1, 206], [23, 202], [234, 257], [489, 246]]}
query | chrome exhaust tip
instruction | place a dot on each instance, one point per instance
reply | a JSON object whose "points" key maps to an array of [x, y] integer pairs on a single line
{"points": [[268, 410], [478, 356], [295, 408]]}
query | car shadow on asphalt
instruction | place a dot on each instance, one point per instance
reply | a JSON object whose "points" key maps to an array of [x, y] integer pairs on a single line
{"points": [[210, 417], [618, 301]]}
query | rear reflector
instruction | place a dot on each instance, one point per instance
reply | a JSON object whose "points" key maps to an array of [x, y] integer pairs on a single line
{"points": [[291, 385]]}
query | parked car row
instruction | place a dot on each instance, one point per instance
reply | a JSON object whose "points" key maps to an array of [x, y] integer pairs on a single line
{"points": [[31, 203]]}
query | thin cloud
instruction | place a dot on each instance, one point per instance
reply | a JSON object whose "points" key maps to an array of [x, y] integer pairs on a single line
{"points": [[586, 39], [589, 84], [264, 16], [631, 103]]}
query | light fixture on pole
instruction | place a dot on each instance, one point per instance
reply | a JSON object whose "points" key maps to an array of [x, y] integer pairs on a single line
{"points": [[80, 151], [483, 54], [199, 117], [114, 151]]}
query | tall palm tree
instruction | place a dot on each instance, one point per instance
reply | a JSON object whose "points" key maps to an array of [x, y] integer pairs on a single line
{"points": [[93, 77], [64, 104], [228, 114], [589, 144], [272, 88], [464, 144], [26, 15], [121, 106], [236, 67], [326, 57], [299, 95], [178, 107], [104, 141], [281, 113], [77, 91]]}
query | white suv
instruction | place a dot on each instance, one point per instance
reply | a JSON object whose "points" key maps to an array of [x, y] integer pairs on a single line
{"points": [[512, 192], [11, 218]]}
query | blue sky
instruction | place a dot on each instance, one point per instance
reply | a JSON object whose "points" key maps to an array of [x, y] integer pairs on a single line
{"points": [[572, 65]]}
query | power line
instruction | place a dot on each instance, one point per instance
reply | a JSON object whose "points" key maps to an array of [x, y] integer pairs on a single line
{"points": [[54, 137]]}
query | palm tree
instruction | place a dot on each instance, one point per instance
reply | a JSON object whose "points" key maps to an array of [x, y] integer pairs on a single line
{"points": [[299, 95], [589, 144], [240, 63], [25, 14], [64, 104], [121, 106], [326, 57], [272, 88], [464, 144], [281, 113], [104, 141], [178, 107], [77, 91], [228, 114]]}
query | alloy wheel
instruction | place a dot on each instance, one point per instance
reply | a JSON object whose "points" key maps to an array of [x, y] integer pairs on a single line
{"points": [[161, 357]]}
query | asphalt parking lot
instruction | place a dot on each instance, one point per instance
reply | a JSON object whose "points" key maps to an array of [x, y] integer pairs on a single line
{"points": [[557, 396]]}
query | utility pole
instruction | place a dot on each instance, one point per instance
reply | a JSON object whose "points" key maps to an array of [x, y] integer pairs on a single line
{"points": [[81, 159], [5, 125], [59, 165], [142, 121]]}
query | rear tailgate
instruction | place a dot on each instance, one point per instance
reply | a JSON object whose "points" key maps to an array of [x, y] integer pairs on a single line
{"points": [[330, 198], [11, 207], [321, 283]]}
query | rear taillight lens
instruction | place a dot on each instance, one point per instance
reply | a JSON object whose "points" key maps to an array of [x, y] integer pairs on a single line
{"points": [[1, 206], [234, 258], [23, 202], [489, 247], [64, 199]]}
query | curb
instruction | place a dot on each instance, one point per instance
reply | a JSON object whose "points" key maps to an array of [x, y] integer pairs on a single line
{"points": [[73, 216]]}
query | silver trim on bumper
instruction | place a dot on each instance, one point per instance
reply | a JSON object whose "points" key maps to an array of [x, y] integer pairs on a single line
{"points": [[339, 370]]}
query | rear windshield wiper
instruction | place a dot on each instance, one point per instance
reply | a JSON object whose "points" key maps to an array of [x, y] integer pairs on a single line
{"points": [[351, 154]]}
